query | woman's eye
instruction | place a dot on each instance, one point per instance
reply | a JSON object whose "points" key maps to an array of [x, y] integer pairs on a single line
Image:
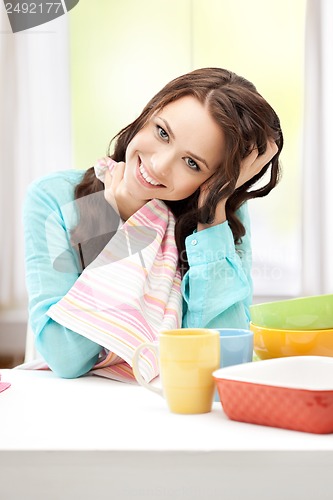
{"points": [[192, 164], [162, 133]]}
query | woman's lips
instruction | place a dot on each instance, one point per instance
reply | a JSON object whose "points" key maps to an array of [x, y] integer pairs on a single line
{"points": [[144, 178]]}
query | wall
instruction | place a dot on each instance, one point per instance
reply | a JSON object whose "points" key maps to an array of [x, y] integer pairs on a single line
{"points": [[123, 52]]}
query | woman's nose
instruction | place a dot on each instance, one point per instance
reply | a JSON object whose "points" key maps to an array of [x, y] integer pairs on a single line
{"points": [[160, 164]]}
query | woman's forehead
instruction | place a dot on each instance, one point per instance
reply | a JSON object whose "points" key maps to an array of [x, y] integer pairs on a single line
{"points": [[192, 126]]}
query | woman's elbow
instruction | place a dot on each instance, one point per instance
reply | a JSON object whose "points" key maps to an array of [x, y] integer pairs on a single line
{"points": [[68, 354], [70, 369]]}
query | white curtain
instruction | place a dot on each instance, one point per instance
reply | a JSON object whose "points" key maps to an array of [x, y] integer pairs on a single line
{"points": [[35, 133], [317, 150]]}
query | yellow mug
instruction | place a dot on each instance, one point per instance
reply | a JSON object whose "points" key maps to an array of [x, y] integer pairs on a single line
{"points": [[187, 359]]}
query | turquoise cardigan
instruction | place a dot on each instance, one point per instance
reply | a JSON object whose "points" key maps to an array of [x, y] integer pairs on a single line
{"points": [[217, 289]]}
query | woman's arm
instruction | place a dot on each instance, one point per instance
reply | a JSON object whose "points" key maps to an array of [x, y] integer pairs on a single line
{"points": [[52, 268], [217, 289]]}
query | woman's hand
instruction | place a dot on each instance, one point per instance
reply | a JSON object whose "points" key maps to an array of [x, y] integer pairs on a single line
{"points": [[117, 195], [251, 165]]}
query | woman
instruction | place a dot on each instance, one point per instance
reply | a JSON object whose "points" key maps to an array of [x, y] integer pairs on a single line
{"points": [[199, 146]]}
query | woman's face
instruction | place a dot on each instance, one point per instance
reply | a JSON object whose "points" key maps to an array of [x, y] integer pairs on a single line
{"points": [[177, 150]]}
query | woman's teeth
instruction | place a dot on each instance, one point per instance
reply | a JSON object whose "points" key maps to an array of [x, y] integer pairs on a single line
{"points": [[146, 177]]}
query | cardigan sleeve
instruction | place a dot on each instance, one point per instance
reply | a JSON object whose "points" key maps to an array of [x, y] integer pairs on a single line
{"points": [[52, 268], [217, 288]]}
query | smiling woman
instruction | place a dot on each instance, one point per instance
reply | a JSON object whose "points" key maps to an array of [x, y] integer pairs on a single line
{"points": [[179, 178], [151, 42], [161, 154]]}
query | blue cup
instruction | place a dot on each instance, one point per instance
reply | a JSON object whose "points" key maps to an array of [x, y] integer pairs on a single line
{"points": [[236, 347]]}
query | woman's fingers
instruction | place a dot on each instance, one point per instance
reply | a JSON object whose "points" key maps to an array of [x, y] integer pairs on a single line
{"points": [[270, 152], [117, 174], [112, 181], [254, 163], [117, 195], [107, 181], [267, 156]]}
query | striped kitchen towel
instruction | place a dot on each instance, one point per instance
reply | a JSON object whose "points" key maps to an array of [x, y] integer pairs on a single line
{"points": [[128, 294]]}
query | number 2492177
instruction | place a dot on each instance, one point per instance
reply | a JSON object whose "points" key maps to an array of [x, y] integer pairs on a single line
{"points": [[33, 8]]}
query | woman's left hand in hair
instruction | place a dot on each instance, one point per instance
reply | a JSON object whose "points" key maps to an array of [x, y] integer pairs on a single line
{"points": [[251, 165]]}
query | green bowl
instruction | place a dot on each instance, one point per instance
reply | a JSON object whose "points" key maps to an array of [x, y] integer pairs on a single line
{"points": [[303, 313]]}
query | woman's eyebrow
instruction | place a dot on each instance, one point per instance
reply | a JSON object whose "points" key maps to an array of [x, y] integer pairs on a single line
{"points": [[167, 126], [169, 130]]}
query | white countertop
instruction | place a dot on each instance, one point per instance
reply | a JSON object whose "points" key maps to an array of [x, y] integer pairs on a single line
{"points": [[43, 412], [48, 424]]}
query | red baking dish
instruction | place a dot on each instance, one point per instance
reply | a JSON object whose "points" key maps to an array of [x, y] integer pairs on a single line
{"points": [[293, 393]]}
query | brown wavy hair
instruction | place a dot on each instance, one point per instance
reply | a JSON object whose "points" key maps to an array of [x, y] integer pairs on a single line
{"points": [[247, 121]]}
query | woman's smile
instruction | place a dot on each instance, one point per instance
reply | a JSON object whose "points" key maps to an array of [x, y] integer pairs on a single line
{"points": [[145, 177]]}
